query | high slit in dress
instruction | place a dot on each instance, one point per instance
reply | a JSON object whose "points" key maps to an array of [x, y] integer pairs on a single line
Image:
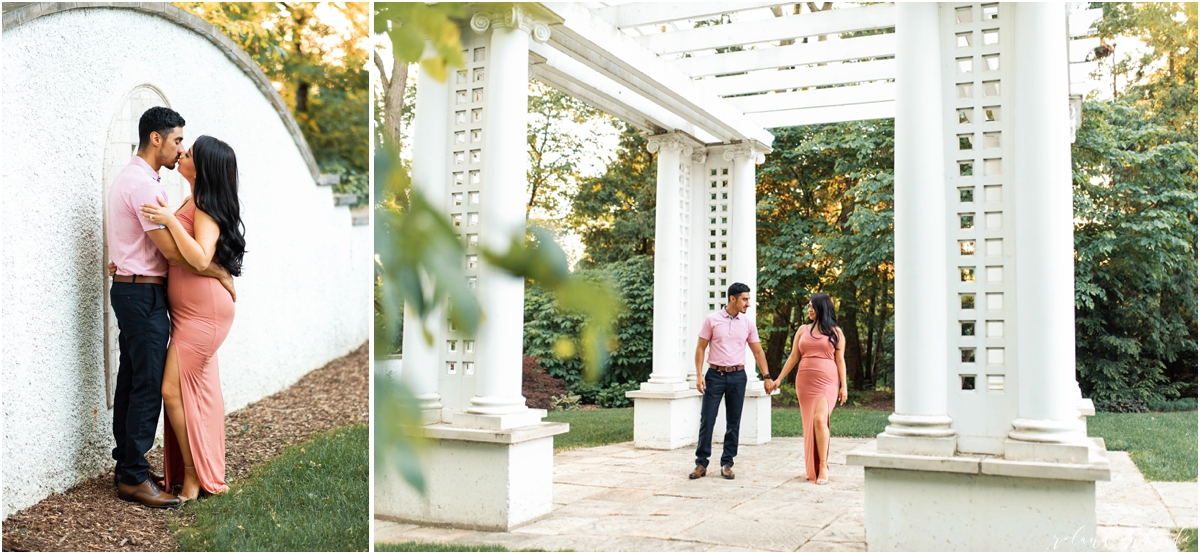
{"points": [[816, 377], [201, 315]]}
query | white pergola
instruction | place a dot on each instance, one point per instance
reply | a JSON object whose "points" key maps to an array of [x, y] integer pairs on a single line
{"points": [[985, 394]]}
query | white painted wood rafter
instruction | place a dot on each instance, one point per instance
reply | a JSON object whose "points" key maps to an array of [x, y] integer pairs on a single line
{"points": [[828, 114], [572, 77], [816, 98], [832, 22], [874, 46], [839, 74], [597, 44], [646, 13]]}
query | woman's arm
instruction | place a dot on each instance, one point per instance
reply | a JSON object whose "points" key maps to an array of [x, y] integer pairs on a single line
{"points": [[841, 365], [197, 252], [794, 357]]}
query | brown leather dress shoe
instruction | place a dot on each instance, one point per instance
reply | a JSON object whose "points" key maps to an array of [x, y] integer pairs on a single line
{"points": [[147, 494], [727, 472], [697, 473], [156, 477]]}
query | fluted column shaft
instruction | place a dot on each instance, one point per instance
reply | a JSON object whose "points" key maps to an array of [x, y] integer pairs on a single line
{"points": [[668, 373], [1044, 228], [743, 237], [920, 227], [421, 363], [502, 296]]}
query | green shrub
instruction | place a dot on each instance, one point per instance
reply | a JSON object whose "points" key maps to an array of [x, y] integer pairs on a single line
{"points": [[567, 401], [613, 396], [552, 335], [1177, 405], [588, 392]]}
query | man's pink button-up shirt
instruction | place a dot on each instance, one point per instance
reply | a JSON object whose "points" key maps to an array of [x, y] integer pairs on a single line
{"points": [[727, 337], [128, 246]]}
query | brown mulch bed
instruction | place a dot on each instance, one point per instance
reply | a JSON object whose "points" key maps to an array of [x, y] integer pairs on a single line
{"points": [[537, 386], [90, 517]]}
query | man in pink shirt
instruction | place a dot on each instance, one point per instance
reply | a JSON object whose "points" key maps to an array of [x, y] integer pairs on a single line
{"points": [[140, 250], [725, 333]]}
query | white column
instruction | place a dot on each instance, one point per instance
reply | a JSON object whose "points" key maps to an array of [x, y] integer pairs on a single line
{"points": [[1044, 233], [502, 296], [920, 239], [429, 172], [743, 234], [668, 373], [698, 283]]}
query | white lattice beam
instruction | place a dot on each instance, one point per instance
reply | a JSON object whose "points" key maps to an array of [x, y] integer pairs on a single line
{"points": [[830, 22]]}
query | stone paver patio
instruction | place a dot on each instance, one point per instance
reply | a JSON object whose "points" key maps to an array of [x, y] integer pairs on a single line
{"points": [[619, 498]]}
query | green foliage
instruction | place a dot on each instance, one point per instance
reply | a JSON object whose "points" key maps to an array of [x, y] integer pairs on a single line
{"points": [[613, 396], [395, 416], [1162, 79], [550, 326], [1135, 237], [825, 225], [1162, 445], [614, 213], [412, 25], [1177, 405], [313, 497], [320, 69], [559, 140]]}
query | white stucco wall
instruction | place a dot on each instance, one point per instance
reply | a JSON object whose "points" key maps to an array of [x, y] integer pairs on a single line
{"points": [[304, 296]]}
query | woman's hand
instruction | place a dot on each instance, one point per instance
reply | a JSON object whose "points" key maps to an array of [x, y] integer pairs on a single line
{"points": [[159, 214], [842, 394]]}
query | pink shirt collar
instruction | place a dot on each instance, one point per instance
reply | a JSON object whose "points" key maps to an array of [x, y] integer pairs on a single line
{"points": [[142, 164]]}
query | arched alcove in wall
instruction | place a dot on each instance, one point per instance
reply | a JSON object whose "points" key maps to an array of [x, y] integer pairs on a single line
{"points": [[121, 146]]}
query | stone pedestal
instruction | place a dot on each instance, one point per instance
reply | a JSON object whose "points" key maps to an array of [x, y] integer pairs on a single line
{"points": [[493, 480], [756, 419], [982, 503], [665, 420]]}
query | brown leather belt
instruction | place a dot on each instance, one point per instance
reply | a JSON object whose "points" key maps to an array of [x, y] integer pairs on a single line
{"points": [[726, 369], [140, 279]]}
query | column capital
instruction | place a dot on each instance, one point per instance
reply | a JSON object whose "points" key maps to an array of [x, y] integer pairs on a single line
{"points": [[514, 17], [752, 150], [673, 142], [699, 155]]}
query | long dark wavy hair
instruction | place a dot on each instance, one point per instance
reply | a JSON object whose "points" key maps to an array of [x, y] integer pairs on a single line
{"points": [[826, 320], [216, 192]]}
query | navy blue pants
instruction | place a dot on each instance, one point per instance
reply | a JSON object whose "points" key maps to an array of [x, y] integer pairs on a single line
{"points": [[141, 311], [731, 386]]}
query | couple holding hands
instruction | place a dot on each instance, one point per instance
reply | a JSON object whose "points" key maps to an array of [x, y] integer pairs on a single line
{"points": [[818, 348]]}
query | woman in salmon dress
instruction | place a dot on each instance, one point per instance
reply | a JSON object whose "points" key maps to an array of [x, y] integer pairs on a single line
{"points": [[820, 380], [207, 228]]}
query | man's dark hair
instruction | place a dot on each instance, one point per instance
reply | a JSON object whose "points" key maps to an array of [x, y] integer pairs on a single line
{"points": [[157, 120], [736, 289]]}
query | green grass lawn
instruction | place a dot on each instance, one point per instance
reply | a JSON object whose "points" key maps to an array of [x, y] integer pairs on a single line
{"points": [[845, 422], [1162, 444], [313, 497], [593, 427], [1185, 539]]}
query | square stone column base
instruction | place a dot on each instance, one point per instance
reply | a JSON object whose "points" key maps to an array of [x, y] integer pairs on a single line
{"points": [[492, 480], [755, 427], [982, 503], [665, 420], [922, 446]]}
